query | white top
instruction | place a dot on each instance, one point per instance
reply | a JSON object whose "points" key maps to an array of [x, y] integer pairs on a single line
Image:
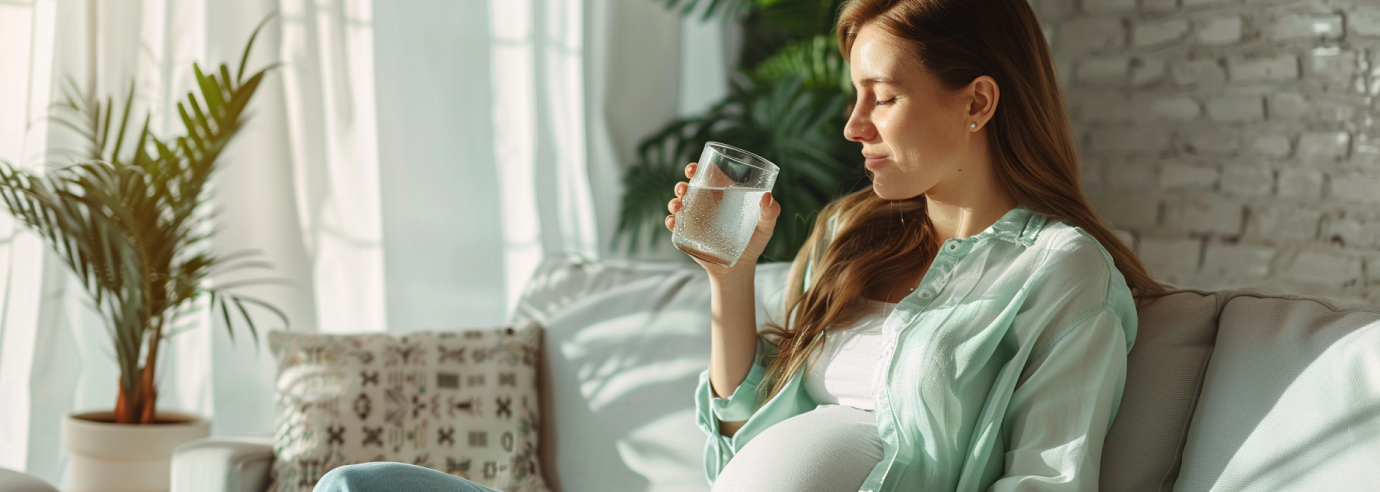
{"points": [[848, 360]]}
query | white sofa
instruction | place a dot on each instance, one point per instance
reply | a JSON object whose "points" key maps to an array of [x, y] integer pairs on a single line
{"points": [[1231, 390]]}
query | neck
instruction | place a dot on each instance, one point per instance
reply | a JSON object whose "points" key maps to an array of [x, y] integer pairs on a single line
{"points": [[968, 207]]}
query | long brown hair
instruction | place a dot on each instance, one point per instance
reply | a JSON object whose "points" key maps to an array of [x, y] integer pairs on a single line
{"points": [[1034, 159]]}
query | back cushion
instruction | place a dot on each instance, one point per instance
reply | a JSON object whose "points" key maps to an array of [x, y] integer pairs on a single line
{"points": [[625, 343], [1164, 371], [1291, 400]]}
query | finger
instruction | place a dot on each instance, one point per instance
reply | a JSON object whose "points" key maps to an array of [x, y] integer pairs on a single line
{"points": [[671, 222], [770, 208], [674, 205], [690, 170], [681, 188]]}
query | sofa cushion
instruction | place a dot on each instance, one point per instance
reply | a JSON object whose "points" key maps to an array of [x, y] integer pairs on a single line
{"points": [[462, 402], [1291, 400], [14, 481], [1164, 371], [625, 343]]}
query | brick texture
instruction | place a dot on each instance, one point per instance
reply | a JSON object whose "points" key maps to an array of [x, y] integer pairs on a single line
{"points": [[1234, 142]]}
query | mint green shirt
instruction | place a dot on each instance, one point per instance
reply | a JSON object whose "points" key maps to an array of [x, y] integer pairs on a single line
{"points": [[1003, 369]]}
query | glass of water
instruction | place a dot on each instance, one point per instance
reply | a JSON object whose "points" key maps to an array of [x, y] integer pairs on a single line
{"points": [[719, 211]]}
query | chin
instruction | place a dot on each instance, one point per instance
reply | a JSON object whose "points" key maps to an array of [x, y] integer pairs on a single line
{"points": [[890, 193]]}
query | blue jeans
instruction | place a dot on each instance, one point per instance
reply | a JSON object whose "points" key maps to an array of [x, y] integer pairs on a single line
{"points": [[380, 476]]}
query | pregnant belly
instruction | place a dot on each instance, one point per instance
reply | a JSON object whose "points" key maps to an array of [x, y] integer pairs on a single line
{"points": [[829, 449]]}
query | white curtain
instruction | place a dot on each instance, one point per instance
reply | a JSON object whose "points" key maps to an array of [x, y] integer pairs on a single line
{"points": [[406, 168]]}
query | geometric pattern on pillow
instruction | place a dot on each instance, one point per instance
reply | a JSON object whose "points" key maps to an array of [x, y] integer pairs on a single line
{"points": [[462, 402]]}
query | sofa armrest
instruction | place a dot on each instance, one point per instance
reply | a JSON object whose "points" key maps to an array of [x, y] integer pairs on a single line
{"points": [[16, 481], [223, 464]]}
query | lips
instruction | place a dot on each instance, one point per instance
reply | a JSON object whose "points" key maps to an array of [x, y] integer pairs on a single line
{"points": [[874, 159]]}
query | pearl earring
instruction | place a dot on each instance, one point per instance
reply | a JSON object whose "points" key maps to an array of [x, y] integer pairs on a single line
{"points": [[973, 125]]}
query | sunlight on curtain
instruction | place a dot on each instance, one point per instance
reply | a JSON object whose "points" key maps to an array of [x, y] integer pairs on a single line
{"points": [[571, 213], [328, 72], [26, 32], [512, 64], [538, 68]]}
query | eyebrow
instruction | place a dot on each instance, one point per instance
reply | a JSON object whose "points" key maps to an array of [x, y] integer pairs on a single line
{"points": [[872, 80]]}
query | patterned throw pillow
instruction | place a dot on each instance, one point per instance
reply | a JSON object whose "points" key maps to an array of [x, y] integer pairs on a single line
{"points": [[462, 402]]}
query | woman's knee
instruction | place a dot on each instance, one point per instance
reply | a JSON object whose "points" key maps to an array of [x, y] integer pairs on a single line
{"points": [[387, 476], [362, 477], [351, 477]]}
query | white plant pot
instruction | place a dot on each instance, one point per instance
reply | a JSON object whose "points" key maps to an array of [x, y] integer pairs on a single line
{"points": [[109, 457]]}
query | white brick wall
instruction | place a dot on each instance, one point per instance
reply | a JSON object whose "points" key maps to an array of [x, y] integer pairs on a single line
{"points": [[1324, 268], [1198, 72], [1108, 5], [1324, 145], [1288, 106], [1357, 188], [1101, 35], [1236, 261], [1188, 176], [1177, 108], [1129, 140], [1105, 70], [1208, 140], [1283, 222], [1372, 262], [1128, 211], [1276, 146], [1147, 70], [1237, 142], [1301, 25], [1158, 32], [1205, 213], [1248, 181], [1130, 175], [1265, 69], [1301, 184], [1237, 109], [1173, 260], [1365, 23], [1355, 233], [1333, 67], [1220, 31]]}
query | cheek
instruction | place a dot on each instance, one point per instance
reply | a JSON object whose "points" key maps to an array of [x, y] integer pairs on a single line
{"points": [[923, 139]]}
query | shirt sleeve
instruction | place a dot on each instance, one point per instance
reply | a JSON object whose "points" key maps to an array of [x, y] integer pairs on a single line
{"points": [[738, 407], [1058, 418]]}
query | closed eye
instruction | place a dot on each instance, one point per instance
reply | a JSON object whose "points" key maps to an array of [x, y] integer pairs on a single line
{"points": [[886, 102]]}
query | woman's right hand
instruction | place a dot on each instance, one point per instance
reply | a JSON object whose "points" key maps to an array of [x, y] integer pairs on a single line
{"points": [[766, 223]]}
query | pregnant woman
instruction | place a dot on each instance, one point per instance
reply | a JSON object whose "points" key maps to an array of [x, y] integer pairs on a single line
{"points": [[962, 324]]}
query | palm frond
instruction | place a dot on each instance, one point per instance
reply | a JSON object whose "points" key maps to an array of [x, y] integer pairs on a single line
{"points": [[815, 61], [796, 128]]}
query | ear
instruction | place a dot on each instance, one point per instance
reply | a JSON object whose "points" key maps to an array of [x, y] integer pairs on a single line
{"points": [[982, 97]]}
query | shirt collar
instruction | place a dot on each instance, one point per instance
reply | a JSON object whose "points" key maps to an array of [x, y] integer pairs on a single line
{"points": [[1019, 225]]}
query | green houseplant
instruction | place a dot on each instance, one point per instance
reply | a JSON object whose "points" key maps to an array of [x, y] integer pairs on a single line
{"points": [[788, 103], [129, 221]]}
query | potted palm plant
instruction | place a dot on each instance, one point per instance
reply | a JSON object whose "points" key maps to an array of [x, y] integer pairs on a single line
{"points": [[128, 219]]}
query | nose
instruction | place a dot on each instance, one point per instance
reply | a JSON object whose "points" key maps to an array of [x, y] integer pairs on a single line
{"points": [[859, 127]]}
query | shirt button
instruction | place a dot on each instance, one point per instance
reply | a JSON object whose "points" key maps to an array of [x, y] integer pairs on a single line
{"points": [[924, 294], [953, 247]]}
